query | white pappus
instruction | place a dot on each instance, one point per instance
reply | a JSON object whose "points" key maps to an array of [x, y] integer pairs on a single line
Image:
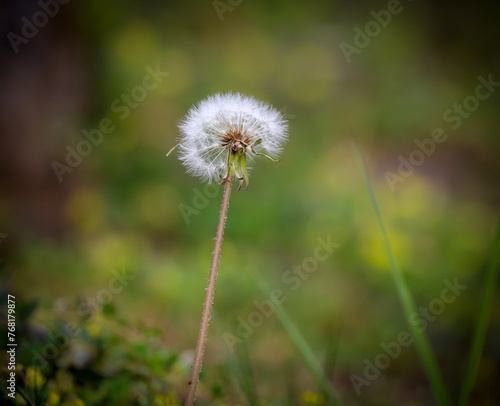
{"points": [[218, 135]]}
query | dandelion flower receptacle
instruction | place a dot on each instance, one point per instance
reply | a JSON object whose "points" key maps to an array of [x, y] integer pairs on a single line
{"points": [[225, 132], [218, 138]]}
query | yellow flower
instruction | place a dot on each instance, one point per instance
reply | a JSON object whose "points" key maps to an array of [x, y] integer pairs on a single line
{"points": [[53, 399], [311, 398], [74, 402], [34, 378]]}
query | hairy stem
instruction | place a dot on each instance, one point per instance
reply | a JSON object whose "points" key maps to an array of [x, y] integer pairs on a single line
{"points": [[209, 298]]}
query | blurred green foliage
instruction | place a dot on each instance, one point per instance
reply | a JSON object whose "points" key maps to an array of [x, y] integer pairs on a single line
{"points": [[121, 206]]}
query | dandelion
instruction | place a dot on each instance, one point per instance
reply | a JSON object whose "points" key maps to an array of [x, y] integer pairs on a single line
{"points": [[218, 138], [224, 132]]}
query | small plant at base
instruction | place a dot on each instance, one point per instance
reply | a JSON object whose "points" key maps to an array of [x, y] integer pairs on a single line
{"points": [[217, 138]]}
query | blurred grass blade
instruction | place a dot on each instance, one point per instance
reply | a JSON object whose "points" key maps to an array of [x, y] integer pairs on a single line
{"points": [[239, 367], [248, 383], [291, 388], [421, 342], [482, 322], [300, 342], [332, 351]]}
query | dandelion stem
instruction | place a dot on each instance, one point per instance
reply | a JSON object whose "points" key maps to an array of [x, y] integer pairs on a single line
{"points": [[209, 298]]}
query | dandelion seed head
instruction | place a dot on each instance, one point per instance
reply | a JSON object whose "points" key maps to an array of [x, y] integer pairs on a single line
{"points": [[224, 121]]}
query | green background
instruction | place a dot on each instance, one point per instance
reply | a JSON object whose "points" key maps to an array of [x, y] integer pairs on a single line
{"points": [[122, 207]]}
